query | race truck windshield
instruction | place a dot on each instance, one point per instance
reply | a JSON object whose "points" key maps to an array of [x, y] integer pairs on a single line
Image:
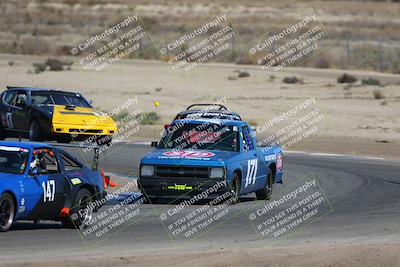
{"points": [[204, 136], [13, 162], [58, 98]]}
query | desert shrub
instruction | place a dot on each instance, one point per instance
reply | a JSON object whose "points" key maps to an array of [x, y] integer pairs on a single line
{"points": [[346, 78], [150, 118], [245, 59], [322, 62], [120, 116], [292, 79], [71, 2], [54, 64], [150, 52], [243, 74], [233, 55], [150, 22], [39, 67], [166, 58], [378, 94], [370, 81], [366, 56]]}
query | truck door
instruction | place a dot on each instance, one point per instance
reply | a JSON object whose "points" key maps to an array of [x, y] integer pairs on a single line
{"points": [[250, 162]]}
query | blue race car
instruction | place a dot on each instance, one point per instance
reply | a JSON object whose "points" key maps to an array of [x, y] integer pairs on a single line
{"points": [[42, 182], [195, 155]]}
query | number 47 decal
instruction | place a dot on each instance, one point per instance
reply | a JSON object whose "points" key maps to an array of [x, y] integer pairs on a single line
{"points": [[49, 190], [251, 172]]}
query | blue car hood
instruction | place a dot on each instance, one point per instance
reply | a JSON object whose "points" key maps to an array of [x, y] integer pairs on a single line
{"points": [[191, 158]]}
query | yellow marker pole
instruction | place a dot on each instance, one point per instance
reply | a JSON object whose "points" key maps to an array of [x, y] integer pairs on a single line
{"points": [[156, 105]]}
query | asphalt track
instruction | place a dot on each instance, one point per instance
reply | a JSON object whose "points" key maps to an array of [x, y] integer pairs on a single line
{"points": [[363, 196]]}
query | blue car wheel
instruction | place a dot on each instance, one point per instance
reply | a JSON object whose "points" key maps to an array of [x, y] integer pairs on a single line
{"points": [[81, 214], [7, 212]]}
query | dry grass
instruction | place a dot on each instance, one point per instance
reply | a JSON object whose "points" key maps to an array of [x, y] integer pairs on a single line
{"points": [[53, 26]]}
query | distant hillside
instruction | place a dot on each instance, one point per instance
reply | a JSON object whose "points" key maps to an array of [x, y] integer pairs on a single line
{"points": [[364, 34]]}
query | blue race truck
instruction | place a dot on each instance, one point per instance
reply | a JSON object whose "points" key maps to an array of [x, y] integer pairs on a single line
{"points": [[195, 154]]}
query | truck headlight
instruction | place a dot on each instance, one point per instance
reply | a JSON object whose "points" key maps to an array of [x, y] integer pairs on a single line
{"points": [[147, 170], [217, 173]]}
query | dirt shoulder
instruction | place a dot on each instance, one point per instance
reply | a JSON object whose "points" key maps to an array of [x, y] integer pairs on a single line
{"points": [[354, 121], [348, 255], [354, 146]]}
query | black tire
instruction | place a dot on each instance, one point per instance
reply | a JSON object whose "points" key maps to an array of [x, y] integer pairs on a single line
{"points": [[79, 216], [266, 192], [35, 132], [7, 212], [63, 139], [3, 133], [235, 188]]}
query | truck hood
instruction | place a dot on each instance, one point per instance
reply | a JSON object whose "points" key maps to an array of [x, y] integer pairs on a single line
{"points": [[210, 158]]}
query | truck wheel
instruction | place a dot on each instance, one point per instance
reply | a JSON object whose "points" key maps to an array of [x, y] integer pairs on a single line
{"points": [[7, 212], [266, 192], [80, 216], [235, 187], [35, 133]]}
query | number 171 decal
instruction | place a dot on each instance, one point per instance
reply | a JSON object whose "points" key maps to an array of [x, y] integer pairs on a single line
{"points": [[251, 172]]}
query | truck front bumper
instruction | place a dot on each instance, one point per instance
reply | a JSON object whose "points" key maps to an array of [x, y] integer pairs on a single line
{"points": [[182, 187]]}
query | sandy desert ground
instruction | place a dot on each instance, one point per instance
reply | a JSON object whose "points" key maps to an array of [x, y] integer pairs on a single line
{"points": [[354, 122], [340, 255]]}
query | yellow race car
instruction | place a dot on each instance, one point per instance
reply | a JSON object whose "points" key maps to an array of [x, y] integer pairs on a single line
{"points": [[44, 114]]}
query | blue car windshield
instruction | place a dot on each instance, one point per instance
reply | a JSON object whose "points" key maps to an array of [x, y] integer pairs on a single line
{"points": [[13, 162], [58, 98], [204, 136]]}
